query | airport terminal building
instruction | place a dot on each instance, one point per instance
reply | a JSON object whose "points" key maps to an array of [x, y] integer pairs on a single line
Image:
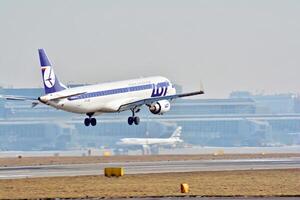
{"points": [[242, 119]]}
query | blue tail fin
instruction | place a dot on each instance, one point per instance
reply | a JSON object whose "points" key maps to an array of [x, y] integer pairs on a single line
{"points": [[51, 82]]}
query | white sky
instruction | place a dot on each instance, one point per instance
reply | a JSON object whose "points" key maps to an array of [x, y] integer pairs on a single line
{"points": [[229, 45]]}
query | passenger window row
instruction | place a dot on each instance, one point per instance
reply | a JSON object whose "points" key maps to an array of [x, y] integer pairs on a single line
{"points": [[120, 90]]}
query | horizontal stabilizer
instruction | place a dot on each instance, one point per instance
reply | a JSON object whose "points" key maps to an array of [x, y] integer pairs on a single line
{"points": [[34, 101], [17, 98]]}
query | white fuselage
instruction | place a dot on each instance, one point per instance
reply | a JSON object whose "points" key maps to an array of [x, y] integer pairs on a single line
{"points": [[108, 97], [150, 141]]}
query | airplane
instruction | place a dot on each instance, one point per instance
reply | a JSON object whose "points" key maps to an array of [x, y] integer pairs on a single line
{"points": [[152, 144], [112, 97]]}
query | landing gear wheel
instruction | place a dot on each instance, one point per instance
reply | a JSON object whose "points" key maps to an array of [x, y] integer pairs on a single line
{"points": [[136, 120], [87, 121], [90, 121], [93, 121], [130, 120]]}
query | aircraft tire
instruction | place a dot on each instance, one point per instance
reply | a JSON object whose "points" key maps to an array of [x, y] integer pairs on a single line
{"points": [[136, 120], [130, 120], [93, 121], [87, 121]]}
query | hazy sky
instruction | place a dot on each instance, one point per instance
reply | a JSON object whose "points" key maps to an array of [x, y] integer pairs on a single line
{"points": [[228, 45]]}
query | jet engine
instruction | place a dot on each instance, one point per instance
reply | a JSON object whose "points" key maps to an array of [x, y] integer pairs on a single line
{"points": [[160, 107]]}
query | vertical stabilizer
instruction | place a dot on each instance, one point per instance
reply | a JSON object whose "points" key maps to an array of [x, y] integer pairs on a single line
{"points": [[177, 132], [50, 80]]}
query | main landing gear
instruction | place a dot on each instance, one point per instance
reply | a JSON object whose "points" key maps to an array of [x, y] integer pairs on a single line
{"points": [[134, 119], [90, 120]]}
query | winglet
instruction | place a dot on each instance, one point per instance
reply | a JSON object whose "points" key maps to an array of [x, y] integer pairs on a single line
{"points": [[200, 91], [201, 87]]}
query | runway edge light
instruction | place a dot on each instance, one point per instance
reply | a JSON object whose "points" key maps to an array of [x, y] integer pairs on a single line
{"points": [[184, 188], [114, 171]]}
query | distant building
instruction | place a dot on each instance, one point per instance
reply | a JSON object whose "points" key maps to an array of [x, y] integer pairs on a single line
{"points": [[241, 120], [278, 103]]}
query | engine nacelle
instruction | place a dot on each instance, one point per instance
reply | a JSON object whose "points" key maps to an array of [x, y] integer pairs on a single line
{"points": [[160, 107]]}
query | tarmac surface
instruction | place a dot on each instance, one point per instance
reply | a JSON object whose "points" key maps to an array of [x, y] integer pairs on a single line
{"points": [[148, 167], [173, 151], [216, 198]]}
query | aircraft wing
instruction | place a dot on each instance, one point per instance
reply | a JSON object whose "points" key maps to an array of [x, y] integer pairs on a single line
{"points": [[149, 101]]}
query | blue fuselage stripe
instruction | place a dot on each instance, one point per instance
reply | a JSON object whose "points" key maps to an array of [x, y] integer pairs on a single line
{"points": [[118, 91]]}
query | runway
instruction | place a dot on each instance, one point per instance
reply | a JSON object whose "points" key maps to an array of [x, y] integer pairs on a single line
{"points": [[216, 198], [147, 167]]}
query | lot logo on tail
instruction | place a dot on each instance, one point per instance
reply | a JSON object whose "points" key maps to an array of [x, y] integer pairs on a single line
{"points": [[49, 77]]}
